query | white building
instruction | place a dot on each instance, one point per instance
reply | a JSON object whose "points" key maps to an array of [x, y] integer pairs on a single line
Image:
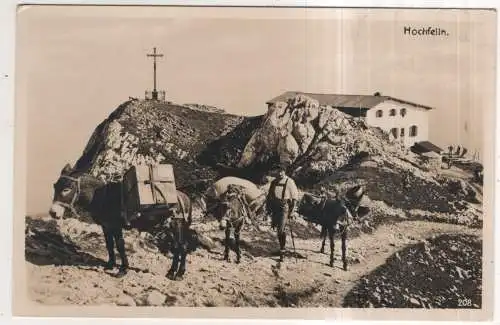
{"points": [[403, 120]]}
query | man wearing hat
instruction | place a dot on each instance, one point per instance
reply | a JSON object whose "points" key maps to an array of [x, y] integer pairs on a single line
{"points": [[282, 199]]}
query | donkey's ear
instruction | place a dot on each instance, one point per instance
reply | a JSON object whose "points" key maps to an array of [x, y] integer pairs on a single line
{"points": [[66, 170]]}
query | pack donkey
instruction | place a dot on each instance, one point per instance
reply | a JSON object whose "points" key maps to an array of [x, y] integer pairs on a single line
{"points": [[254, 196], [332, 214], [77, 190], [232, 216]]}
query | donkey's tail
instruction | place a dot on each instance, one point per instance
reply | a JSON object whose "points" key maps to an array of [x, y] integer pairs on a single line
{"points": [[190, 213]]}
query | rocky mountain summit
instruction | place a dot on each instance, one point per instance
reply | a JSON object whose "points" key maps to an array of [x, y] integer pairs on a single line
{"points": [[324, 147], [301, 132], [141, 131], [315, 140]]}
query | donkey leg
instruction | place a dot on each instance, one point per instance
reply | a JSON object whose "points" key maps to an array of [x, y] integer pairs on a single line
{"points": [[227, 242], [183, 243], [344, 248], [331, 234], [175, 264], [120, 244], [322, 250], [174, 226], [110, 246], [182, 267], [237, 242], [323, 237]]}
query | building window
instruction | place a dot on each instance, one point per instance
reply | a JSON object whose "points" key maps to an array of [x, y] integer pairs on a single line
{"points": [[413, 131], [379, 113], [403, 112], [394, 132], [402, 132], [392, 112]]}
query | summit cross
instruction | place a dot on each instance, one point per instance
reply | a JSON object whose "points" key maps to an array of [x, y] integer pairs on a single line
{"points": [[154, 55]]}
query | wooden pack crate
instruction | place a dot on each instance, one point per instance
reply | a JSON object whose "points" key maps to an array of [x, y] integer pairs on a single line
{"points": [[149, 189]]}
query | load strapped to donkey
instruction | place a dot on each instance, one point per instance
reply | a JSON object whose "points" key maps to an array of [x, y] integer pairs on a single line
{"points": [[149, 191], [254, 197]]}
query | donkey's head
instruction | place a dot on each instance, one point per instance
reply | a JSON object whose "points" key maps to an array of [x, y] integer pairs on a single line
{"points": [[70, 190], [232, 202]]}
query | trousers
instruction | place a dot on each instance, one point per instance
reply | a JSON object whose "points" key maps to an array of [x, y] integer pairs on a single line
{"points": [[280, 215]]}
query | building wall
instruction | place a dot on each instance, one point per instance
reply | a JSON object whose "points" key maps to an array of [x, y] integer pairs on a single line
{"points": [[414, 116]]}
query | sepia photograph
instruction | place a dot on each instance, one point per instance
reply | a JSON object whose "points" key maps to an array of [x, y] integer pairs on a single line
{"points": [[254, 162]]}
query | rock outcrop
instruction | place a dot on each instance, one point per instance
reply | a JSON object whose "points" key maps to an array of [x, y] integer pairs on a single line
{"points": [[205, 108], [147, 132], [314, 138]]}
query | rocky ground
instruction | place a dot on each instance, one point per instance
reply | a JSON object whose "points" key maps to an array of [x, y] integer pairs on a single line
{"points": [[444, 280], [415, 264]]}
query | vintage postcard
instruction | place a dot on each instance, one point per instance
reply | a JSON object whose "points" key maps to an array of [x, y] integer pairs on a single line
{"points": [[233, 161]]}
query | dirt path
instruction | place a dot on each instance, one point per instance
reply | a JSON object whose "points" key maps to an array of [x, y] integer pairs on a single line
{"points": [[258, 281], [373, 250]]}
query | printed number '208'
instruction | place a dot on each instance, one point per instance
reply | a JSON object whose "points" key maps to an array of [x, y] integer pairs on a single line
{"points": [[464, 302]]}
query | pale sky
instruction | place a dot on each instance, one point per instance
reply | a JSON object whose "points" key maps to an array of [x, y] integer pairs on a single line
{"points": [[76, 65]]}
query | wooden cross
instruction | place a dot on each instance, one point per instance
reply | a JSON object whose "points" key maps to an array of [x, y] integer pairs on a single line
{"points": [[154, 56]]}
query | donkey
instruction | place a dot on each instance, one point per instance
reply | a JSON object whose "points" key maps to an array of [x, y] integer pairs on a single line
{"points": [[77, 190], [253, 195], [233, 214], [332, 214], [324, 232]]}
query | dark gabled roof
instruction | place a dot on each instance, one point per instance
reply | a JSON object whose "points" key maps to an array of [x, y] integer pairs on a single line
{"points": [[427, 146], [344, 101]]}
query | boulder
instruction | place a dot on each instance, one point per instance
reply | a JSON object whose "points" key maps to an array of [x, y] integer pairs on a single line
{"points": [[288, 149], [155, 298], [125, 300]]}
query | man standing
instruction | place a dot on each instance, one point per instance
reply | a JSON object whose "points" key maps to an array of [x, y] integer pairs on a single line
{"points": [[282, 200]]}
